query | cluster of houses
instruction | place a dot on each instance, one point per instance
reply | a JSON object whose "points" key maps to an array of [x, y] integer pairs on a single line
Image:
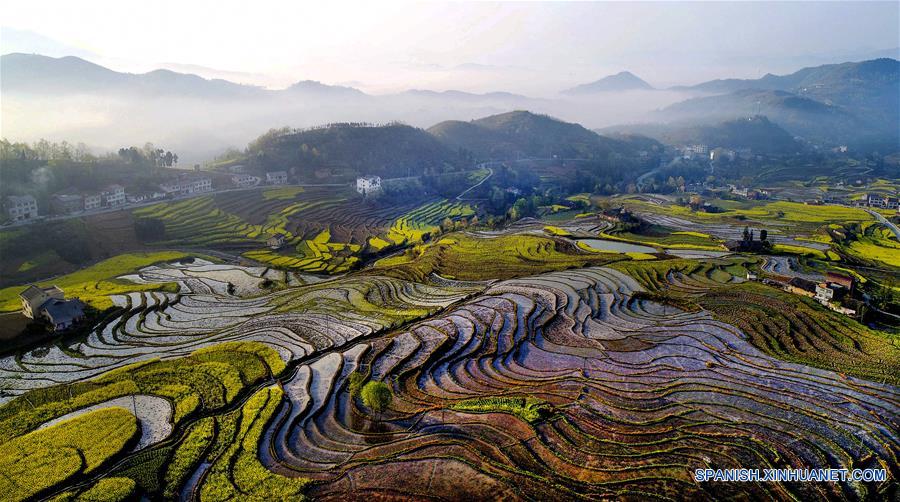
{"points": [[50, 303], [748, 193], [718, 154], [186, 185], [23, 208], [72, 202], [835, 292], [879, 201]]}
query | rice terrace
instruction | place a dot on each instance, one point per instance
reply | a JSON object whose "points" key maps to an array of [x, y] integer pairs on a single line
{"points": [[633, 292]]}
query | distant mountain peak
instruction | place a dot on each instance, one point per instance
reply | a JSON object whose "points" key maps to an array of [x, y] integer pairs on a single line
{"points": [[316, 87], [622, 81]]}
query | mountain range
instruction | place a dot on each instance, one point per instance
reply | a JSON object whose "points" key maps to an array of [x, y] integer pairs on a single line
{"points": [[622, 81], [848, 103]]}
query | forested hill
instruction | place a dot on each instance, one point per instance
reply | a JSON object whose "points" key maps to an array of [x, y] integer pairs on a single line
{"points": [[757, 133], [349, 150], [525, 134]]}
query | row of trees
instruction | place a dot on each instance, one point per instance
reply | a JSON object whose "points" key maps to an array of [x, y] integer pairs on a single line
{"points": [[148, 155], [44, 150]]}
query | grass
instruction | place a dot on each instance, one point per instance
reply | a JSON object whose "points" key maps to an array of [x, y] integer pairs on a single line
{"points": [[806, 216], [873, 243], [557, 231], [529, 409], [94, 284], [39, 260], [662, 237], [799, 250], [467, 257], [46, 458], [206, 380], [106, 490], [189, 453], [238, 473], [282, 193], [411, 227]]}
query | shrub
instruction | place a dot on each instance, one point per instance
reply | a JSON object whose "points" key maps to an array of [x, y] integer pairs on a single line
{"points": [[376, 396]]}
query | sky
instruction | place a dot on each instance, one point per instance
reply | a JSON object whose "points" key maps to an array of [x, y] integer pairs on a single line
{"points": [[535, 48]]}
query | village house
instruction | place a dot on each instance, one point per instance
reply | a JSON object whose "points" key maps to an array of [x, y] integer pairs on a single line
{"points": [[66, 203], [368, 184], [92, 201], [244, 180], [718, 154], [21, 208], [187, 186], [801, 286], [880, 201], [277, 178], [113, 196], [276, 241], [50, 303]]}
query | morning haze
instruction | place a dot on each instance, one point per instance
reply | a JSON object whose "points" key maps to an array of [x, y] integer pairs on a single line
{"points": [[386, 250]]}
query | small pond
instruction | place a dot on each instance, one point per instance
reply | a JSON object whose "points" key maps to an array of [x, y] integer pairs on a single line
{"points": [[617, 246]]}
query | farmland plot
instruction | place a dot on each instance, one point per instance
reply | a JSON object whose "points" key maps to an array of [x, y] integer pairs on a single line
{"points": [[636, 395], [296, 322]]}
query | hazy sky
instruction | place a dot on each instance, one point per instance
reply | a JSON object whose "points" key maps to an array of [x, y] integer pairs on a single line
{"points": [[380, 46]]}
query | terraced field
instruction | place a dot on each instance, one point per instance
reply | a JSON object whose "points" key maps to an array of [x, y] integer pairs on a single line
{"points": [[636, 395], [325, 228], [479, 365], [297, 322]]}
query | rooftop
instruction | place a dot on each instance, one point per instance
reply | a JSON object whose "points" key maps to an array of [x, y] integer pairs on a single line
{"points": [[32, 292]]}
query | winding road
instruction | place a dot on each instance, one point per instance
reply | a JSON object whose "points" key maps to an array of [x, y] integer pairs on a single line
{"points": [[476, 185], [885, 221]]}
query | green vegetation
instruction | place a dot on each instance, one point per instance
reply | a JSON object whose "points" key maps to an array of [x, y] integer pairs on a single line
{"points": [[411, 227], [799, 250], [94, 284], [191, 450], [661, 237], [376, 396], [282, 193], [792, 212], [557, 231], [207, 380], [105, 490], [237, 472], [529, 409], [467, 257], [784, 325], [46, 458]]}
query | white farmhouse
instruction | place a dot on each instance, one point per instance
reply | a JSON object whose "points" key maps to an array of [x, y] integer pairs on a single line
{"points": [[21, 208], [277, 178], [113, 196], [244, 180], [368, 184], [187, 186]]}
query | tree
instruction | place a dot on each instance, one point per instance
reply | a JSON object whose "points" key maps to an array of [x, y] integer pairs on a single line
{"points": [[764, 235], [746, 234], [376, 396]]}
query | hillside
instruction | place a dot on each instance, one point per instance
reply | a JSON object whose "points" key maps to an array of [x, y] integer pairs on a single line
{"points": [[522, 133], [35, 74], [757, 133], [842, 83], [347, 150], [801, 116], [622, 81], [847, 103]]}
